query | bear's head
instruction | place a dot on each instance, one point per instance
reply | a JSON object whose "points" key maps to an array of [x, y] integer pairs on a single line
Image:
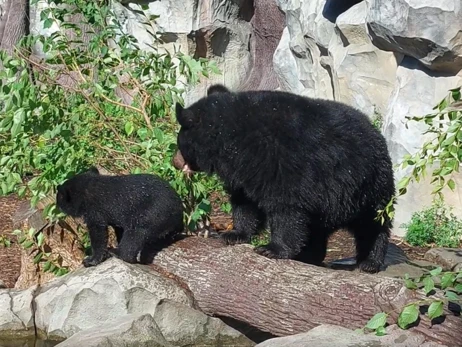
{"points": [[195, 138], [70, 194]]}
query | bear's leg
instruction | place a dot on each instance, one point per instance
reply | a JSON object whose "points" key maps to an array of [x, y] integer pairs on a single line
{"points": [[119, 232], [289, 233], [131, 244], [371, 244], [248, 219], [98, 240], [315, 249]]}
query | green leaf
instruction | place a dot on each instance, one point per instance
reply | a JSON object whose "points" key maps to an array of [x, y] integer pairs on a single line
{"points": [[458, 288], [451, 295], [18, 120], [28, 244], [40, 239], [429, 285], [38, 257], [447, 280], [129, 128], [436, 271], [435, 310], [379, 320], [47, 23], [380, 331], [452, 184], [410, 284], [408, 316]]}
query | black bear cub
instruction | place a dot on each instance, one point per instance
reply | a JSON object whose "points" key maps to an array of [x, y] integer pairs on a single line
{"points": [[144, 210], [306, 167]]}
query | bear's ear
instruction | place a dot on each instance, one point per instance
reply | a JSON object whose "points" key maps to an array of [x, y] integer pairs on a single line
{"points": [[93, 170], [217, 88], [185, 117]]}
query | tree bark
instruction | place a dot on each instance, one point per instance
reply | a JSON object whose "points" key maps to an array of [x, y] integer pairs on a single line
{"points": [[267, 25], [13, 23], [286, 297]]}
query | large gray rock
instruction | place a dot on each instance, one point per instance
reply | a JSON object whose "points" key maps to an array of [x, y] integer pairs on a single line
{"points": [[184, 326], [16, 312], [309, 35], [427, 30], [173, 324], [125, 331], [93, 296], [363, 76], [332, 335], [416, 92]]}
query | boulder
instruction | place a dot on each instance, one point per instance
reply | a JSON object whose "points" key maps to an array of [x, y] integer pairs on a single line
{"points": [[89, 297], [363, 75], [16, 312], [184, 326], [331, 335], [173, 324], [125, 331], [429, 31]]}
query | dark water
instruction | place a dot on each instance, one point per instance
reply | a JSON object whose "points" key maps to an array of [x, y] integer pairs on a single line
{"points": [[28, 342]]}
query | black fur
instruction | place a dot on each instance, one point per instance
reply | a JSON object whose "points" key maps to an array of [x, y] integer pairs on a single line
{"points": [[144, 210], [305, 166]]}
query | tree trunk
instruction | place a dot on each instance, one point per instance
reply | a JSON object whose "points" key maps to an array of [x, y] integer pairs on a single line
{"points": [[267, 26], [13, 23], [286, 297]]}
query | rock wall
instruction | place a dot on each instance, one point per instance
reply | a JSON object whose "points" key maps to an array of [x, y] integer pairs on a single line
{"points": [[388, 58]]}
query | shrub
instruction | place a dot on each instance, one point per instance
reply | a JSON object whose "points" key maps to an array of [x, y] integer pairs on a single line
{"points": [[67, 114], [435, 224]]}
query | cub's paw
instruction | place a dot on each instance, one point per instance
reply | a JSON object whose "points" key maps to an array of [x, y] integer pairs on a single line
{"points": [[235, 237], [272, 251], [370, 266]]}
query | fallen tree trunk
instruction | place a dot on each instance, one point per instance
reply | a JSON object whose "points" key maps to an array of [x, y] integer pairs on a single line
{"points": [[286, 297]]}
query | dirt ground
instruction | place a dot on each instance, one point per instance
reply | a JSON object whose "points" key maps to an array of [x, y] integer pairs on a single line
{"points": [[341, 244]]}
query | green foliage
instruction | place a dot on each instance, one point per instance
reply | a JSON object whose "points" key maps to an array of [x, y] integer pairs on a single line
{"points": [[441, 155], [35, 243], [377, 120], [68, 114], [434, 225], [441, 289], [5, 241], [261, 239]]}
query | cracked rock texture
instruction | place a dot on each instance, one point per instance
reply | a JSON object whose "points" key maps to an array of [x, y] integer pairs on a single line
{"points": [[89, 297], [388, 58]]}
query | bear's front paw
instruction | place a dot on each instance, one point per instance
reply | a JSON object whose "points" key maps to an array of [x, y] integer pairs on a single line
{"points": [[370, 266], [272, 251], [91, 261], [235, 237]]}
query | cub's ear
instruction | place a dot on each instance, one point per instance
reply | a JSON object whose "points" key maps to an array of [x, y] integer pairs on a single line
{"points": [[185, 117], [65, 193], [217, 88]]}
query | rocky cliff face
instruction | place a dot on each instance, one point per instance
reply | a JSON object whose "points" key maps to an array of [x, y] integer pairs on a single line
{"points": [[388, 58]]}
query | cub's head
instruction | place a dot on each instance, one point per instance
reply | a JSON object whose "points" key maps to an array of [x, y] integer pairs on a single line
{"points": [[194, 138], [69, 196]]}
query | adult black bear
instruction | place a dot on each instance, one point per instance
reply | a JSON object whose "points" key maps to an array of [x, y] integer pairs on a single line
{"points": [[306, 166], [144, 210]]}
